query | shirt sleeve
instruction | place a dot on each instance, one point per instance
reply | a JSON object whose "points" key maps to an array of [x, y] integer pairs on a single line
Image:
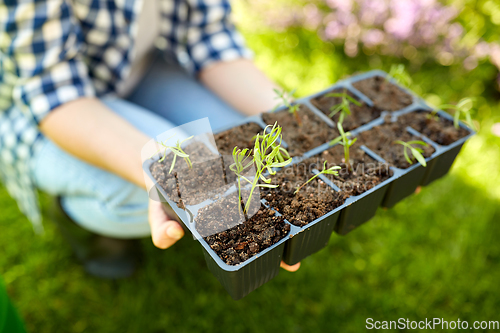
{"points": [[211, 35], [40, 63]]}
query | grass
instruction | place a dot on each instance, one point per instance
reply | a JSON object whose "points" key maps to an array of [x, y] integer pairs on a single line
{"points": [[435, 254]]}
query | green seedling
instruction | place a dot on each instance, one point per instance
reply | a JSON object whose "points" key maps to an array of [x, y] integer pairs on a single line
{"points": [[344, 140], [399, 74], [325, 171], [177, 151], [267, 155], [462, 109], [416, 152], [343, 106], [286, 98], [242, 161], [283, 151]]}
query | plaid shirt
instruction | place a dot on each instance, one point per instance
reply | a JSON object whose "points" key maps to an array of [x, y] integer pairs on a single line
{"points": [[55, 51]]}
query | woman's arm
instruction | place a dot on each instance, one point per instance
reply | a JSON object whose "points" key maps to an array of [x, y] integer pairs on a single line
{"points": [[241, 84], [87, 129]]}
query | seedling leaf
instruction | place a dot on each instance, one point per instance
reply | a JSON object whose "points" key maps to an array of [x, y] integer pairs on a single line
{"points": [[415, 151]]}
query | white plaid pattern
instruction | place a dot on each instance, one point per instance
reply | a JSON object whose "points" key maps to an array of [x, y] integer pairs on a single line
{"points": [[55, 51]]}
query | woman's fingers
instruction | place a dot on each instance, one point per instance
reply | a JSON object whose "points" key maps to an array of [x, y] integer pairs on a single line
{"points": [[164, 230], [289, 268]]}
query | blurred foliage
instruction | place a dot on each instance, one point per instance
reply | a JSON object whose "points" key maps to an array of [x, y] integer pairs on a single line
{"points": [[448, 33], [435, 254], [299, 58]]}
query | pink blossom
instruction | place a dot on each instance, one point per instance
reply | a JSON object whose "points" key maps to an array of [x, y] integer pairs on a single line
{"points": [[373, 37], [389, 25], [495, 54], [428, 34], [333, 30], [312, 16], [456, 30], [482, 50], [341, 5], [470, 63]]}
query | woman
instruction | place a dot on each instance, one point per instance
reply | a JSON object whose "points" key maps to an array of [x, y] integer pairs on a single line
{"points": [[85, 84]]}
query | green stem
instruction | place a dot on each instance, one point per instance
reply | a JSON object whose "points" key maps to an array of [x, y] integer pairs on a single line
{"points": [[239, 194], [347, 159], [301, 186], [254, 184]]}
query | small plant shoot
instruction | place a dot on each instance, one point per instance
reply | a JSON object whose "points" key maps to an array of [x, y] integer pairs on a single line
{"points": [[242, 161], [284, 153], [343, 106], [177, 151], [415, 151], [286, 100], [344, 140], [325, 171], [267, 155], [399, 74], [462, 109]]}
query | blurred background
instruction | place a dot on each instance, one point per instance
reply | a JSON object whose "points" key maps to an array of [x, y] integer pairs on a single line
{"points": [[436, 254]]}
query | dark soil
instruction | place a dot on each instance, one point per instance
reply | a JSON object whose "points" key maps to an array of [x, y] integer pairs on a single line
{"points": [[385, 95], [364, 174], [317, 198], [234, 239], [438, 129], [311, 202], [300, 139], [360, 115], [241, 136], [185, 186], [381, 139]]}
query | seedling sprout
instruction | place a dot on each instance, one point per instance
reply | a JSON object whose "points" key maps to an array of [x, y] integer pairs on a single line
{"points": [[286, 98], [399, 74], [462, 109], [177, 151], [329, 171], [344, 140], [242, 161], [343, 106], [267, 154], [416, 152]]}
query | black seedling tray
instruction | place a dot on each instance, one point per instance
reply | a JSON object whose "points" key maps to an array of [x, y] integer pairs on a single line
{"points": [[239, 280]]}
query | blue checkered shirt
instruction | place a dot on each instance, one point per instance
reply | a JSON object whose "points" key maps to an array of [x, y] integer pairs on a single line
{"points": [[53, 52]]}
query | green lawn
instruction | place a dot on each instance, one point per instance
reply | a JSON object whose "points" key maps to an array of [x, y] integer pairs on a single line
{"points": [[435, 254]]}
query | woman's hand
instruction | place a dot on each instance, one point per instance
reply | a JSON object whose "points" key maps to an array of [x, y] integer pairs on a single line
{"points": [[165, 231], [293, 268]]}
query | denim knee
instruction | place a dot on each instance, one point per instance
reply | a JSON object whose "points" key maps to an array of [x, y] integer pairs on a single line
{"points": [[122, 213]]}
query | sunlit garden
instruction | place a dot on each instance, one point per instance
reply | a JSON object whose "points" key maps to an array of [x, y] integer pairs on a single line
{"points": [[434, 255]]}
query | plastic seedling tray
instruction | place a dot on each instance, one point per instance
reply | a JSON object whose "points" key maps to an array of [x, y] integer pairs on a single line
{"points": [[359, 209], [239, 280], [445, 155], [312, 237], [408, 179]]}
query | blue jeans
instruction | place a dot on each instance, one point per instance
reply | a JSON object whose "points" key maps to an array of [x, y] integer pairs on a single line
{"points": [[103, 202]]}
